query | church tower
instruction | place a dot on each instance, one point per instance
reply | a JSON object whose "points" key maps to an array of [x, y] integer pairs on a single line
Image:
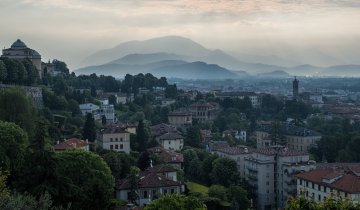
{"points": [[295, 89]]}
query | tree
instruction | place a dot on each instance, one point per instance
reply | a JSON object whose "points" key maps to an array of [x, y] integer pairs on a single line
{"points": [[119, 163], [332, 202], [225, 172], [4, 190], [90, 183], [73, 106], [13, 143], [89, 129], [237, 195], [218, 191], [103, 120], [175, 201], [31, 71], [171, 91], [16, 107], [39, 174], [193, 136], [28, 202], [144, 160], [133, 177], [276, 134], [3, 72], [142, 136]]}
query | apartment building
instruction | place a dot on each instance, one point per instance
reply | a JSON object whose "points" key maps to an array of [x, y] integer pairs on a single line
{"points": [[270, 172], [114, 138]]}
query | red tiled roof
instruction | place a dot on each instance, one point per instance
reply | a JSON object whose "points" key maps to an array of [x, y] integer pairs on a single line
{"points": [[71, 143], [148, 180], [234, 150], [168, 156], [347, 181]]}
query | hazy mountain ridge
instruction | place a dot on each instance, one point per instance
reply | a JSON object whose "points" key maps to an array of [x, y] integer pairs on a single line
{"points": [[145, 56]]}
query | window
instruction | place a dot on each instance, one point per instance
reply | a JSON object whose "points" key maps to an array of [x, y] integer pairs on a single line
{"points": [[172, 191], [300, 181], [267, 183], [307, 184], [313, 185], [319, 197], [169, 142], [116, 146], [116, 139], [165, 191], [324, 189], [319, 187], [111, 146], [111, 139], [128, 195], [121, 139], [121, 146], [145, 194]]}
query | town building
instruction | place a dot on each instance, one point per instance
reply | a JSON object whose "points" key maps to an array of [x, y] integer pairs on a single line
{"points": [[334, 179], [254, 98], [151, 184], [270, 173], [295, 89], [19, 51], [204, 111], [107, 110], [171, 140], [168, 157], [114, 138], [71, 144], [237, 134], [162, 128], [90, 108], [180, 118], [296, 137], [237, 153]]}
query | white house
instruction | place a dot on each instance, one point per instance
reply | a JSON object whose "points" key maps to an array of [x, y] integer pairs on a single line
{"points": [[114, 138], [171, 140], [152, 183], [90, 108]]}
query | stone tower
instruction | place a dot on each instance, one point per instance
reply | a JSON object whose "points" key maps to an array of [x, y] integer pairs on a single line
{"points": [[295, 89]]}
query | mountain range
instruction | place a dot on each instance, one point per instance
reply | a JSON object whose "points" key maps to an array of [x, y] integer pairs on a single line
{"points": [[179, 57]]}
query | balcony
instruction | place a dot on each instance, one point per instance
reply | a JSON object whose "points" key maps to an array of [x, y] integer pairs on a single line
{"points": [[251, 169], [253, 177]]}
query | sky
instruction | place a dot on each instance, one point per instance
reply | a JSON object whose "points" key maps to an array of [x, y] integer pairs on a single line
{"points": [[320, 32]]}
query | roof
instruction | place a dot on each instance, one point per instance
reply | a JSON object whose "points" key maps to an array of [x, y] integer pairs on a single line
{"points": [[161, 169], [279, 151], [18, 44], [234, 150], [147, 180], [166, 155], [340, 178], [35, 53], [171, 136], [290, 130], [180, 113], [113, 129], [162, 128], [71, 143]]}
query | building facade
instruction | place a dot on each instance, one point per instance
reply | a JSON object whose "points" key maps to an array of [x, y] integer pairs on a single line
{"points": [[172, 141], [114, 138], [338, 180], [180, 118], [270, 172]]}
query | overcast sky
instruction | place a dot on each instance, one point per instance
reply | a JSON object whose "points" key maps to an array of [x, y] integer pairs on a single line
{"points": [[73, 29]]}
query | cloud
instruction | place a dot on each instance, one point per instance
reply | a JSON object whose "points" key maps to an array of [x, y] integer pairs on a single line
{"points": [[76, 28]]}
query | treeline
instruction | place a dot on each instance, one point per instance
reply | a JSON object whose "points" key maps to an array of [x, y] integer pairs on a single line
{"points": [[13, 71]]}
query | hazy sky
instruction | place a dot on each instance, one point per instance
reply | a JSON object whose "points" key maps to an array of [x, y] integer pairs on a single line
{"points": [[292, 29]]}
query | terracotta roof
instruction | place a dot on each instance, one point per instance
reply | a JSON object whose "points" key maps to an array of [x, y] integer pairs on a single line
{"points": [[113, 129], [148, 180], [160, 129], [170, 136], [343, 178], [279, 151], [71, 143], [161, 169], [167, 156], [234, 150]]}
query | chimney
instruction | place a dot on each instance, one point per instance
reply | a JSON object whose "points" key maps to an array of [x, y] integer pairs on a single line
{"points": [[57, 142], [87, 141]]}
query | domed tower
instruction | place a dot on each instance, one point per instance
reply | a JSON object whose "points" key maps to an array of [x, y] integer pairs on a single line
{"points": [[20, 51], [295, 89]]}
